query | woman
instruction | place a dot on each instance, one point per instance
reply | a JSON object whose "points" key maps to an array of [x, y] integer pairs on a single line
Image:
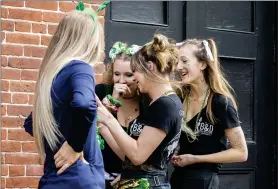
{"points": [[152, 137], [210, 118], [119, 82], [65, 105]]}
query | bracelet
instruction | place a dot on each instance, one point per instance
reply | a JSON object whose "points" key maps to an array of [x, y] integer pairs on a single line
{"points": [[113, 101]]}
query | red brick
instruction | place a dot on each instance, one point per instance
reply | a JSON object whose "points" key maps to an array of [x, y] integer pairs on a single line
{"points": [[3, 183], [19, 98], [3, 159], [34, 51], [46, 5], [38, 28], [20, 86], [25, 15], [26, 63], [5, 85], [4, 12], [12, 122], [67, 6], [29, 147], [19, 135], [3, 36], [45, 40], [100, 13], [22, 182], [34, 170], [5, 97], [22, 26], [21, 158], [7, 25], [3, 134], [52, 17], [10, 73], [3, 109], [5, 170], [22, 38], [13, 3], [31, 98], [10, 146], [8, 49], [52, 28], [29, 75], [17, 170], [16, 110], [98, 78], [3, 60]]}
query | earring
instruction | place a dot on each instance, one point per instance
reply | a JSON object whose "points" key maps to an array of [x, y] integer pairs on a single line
{"points": [[138, 92], [202, 79]]}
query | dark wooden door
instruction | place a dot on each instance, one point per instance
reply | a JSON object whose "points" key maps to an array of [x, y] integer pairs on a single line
{"points": [[244, 35], [243, 32], [135, 22]]}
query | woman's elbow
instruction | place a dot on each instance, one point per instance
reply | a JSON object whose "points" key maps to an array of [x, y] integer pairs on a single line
{"points": [[244, 156], [137, 160]]}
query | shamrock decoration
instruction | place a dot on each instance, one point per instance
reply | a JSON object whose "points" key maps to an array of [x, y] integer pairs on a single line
{"points": [[120, 47], [99, 139], [80, 6]]}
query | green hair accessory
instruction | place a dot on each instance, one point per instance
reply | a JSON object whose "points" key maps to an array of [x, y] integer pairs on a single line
{"points": [[121, 47], [91, 12]]}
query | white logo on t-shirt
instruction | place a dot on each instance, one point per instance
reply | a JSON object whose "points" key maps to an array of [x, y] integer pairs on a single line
{"points": [[204, 128], [136, 129]]}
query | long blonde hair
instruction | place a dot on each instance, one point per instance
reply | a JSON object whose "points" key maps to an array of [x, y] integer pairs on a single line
{"points": [[213, 74], [77, 37]]}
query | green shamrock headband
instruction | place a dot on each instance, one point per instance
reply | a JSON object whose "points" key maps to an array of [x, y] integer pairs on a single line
{"points": [[121, 47], [91, 12]]}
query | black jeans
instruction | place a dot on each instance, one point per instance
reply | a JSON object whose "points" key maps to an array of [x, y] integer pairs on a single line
{"points": [[194, 179]]}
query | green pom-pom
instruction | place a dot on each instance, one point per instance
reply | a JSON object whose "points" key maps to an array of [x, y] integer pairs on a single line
{"points": [[80, 6]]}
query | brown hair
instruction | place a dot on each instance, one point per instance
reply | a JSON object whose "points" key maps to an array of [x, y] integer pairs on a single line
{"points": [[161, 52], [213, 74]]}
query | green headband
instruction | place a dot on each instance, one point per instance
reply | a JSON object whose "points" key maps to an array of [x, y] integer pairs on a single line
{"points": [[120, 47], [91, 12]]}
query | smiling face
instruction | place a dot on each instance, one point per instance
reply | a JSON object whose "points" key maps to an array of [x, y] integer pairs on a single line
{"points": [[188, 65], [122, 74]]}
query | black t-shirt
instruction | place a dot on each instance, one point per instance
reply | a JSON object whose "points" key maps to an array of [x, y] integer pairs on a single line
{"points": [[166, 114], [211, 138]]}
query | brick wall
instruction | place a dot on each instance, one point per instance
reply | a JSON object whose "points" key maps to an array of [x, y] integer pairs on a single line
{"points": [[27, 27]]}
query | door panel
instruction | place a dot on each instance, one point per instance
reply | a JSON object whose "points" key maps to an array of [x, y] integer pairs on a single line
{"points": [[245, 54]]}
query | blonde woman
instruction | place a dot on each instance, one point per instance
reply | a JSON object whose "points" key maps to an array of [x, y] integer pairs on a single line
{"points": [[210, 118], [65, 107]]}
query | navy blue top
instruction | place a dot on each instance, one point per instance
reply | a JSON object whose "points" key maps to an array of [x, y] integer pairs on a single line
{"points": [[75, 111]]}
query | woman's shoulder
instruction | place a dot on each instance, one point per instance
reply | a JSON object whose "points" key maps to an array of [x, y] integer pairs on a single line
{"points": [[221, 101]]}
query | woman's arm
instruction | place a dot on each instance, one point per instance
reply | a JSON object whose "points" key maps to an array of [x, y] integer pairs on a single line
{"points": [[138, 150], [105, 133], [238, 152]]}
